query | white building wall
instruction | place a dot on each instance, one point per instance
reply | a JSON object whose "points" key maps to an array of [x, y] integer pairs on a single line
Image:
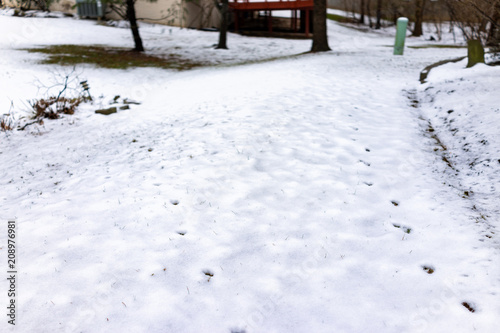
{"points": [[187, 14]]}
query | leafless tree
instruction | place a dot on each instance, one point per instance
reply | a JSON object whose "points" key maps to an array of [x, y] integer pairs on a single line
{"points": [[320, 38], [126, 10], [223, 7], [419, 17], [472, 17], [362, 11], [379, 14]]}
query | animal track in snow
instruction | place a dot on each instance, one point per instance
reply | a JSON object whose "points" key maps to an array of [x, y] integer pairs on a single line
{"points": [[428, 269], [208, 273]]}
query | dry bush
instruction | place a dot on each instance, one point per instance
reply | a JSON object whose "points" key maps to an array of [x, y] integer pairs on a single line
{"points": [[65, 93], [6, 123], [53, 107], [61, 96]]}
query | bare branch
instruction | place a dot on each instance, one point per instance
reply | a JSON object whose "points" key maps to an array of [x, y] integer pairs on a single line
{"points": [[480, 11]]}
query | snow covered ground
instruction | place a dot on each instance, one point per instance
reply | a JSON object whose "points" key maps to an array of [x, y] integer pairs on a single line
{"points": [[306, 194]]}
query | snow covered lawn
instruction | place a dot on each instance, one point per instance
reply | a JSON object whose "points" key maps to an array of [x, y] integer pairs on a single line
{"points": [[298, 195]]}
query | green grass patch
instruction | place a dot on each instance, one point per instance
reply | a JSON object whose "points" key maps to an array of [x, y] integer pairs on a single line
{"points": [[437, 46], [340, 18], [109, 57]]}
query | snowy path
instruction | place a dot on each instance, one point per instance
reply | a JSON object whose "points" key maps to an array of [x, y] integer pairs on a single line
{"points": [[305, 187]]}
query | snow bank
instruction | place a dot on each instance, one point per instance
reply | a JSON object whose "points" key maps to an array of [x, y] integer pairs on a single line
{"points": [[463, 107]]}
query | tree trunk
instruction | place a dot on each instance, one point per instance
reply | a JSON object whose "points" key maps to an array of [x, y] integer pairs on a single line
{"points": [[379, 14], [224, 11], [320, 38], [475, 52], [419, 18], [133, 26], [494, 32], [362, 12], [369, 13], [395, 13]]}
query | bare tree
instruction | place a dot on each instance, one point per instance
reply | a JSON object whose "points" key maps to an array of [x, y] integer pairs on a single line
{"points": [[494, 31], [472, 16], [133, 25], [320, 38], [362, 12], [223, 7], [369, 13], [419, 18], [379, 14], [126, 10]]}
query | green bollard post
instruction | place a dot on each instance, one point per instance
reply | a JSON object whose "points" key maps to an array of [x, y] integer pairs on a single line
{"points": [[399, 46]]}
